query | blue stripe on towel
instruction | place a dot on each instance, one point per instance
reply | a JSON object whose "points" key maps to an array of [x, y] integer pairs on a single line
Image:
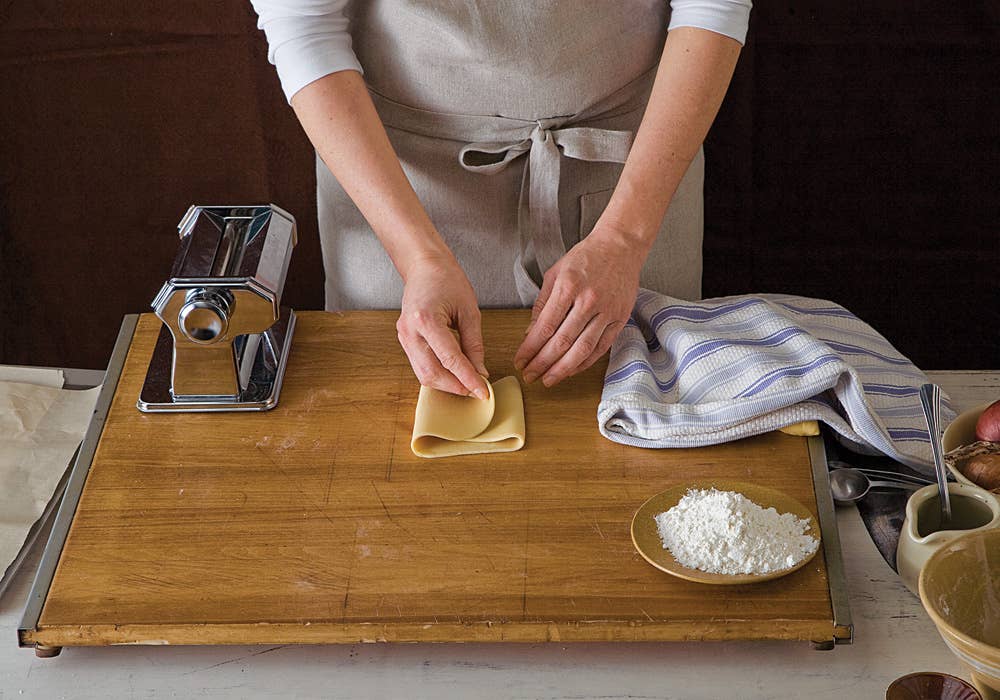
{"points": [[849, 349], [705, 348], [796, 371], [891, 390]]}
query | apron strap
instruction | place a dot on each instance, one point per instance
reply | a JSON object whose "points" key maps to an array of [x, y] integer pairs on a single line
{"points": [[538, 219]]}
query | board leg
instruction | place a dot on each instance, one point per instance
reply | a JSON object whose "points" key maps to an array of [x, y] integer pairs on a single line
{"points": [[43, 651], [823, 644]]}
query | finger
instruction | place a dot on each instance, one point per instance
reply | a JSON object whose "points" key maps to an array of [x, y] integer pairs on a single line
{"points": [[470, 331], [451, 358], [605, 343], [563, 341], [583, 347], [544, 327], [548, 282], [427, 367], [543, 296]]}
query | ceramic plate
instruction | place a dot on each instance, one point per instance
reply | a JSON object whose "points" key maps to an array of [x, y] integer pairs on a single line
{"points": [[647, 539]]}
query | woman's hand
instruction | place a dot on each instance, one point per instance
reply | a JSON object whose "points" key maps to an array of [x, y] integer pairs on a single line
{"points": [[340, 119], [585, 300], [437, 299]]}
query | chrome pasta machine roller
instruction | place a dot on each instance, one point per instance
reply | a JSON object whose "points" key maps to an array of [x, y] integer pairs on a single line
{"points": [[225, 338]]}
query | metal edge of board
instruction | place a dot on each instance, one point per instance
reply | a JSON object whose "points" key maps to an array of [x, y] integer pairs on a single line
{"points": [[836, 576], [74, 487]]}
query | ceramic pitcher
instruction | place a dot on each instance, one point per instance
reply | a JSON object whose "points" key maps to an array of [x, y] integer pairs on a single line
{"points": [[915, 549]]}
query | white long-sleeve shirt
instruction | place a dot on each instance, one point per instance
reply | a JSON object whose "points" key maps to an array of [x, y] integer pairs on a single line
{"points": [[308, 39]]}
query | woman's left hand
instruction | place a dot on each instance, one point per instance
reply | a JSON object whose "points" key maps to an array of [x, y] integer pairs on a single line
{"points": [[585, 300]]}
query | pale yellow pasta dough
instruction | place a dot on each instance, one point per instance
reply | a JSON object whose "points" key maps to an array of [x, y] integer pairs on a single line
{"points": [[806, 428], [446, 425]]}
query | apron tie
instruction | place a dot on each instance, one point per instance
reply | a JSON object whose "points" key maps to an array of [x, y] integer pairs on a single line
{"points": [[538, 221], [494, 141]]}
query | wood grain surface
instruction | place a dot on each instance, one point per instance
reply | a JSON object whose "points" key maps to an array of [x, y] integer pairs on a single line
{"points": [[315, 523]]}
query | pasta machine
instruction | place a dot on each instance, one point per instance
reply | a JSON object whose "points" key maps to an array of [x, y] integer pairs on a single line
{"points": [[225, 337]]}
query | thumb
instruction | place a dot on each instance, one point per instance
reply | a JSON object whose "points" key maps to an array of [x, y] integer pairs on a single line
{"points": [[471, 337]]}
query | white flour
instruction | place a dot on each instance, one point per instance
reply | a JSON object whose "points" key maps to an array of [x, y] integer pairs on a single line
{"points": [[724, 532]]}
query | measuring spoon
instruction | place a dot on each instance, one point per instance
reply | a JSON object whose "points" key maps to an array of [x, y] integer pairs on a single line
{"points": [[850, 486]]}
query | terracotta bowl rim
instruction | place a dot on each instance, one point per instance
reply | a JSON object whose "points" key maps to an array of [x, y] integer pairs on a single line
{"points": [[963, 683]]}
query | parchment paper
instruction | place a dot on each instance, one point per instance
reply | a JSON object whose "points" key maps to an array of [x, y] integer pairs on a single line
{"points": [[41, 426], [41, 376]]}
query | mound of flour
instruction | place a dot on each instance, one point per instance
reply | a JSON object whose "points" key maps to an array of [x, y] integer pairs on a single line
{"points": [[724, 532]]}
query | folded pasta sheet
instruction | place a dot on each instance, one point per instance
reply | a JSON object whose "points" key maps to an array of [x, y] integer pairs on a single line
{"points": [[805, 428], [446, 425]]}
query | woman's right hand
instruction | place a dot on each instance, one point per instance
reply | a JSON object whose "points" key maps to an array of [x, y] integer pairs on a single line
{"points": [[437, 300]]}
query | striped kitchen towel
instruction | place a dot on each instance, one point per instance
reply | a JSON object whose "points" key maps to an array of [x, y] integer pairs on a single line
{"points": [[686, 374]]}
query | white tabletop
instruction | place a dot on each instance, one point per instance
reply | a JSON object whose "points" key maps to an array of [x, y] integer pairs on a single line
{"points": [[893, 636]]}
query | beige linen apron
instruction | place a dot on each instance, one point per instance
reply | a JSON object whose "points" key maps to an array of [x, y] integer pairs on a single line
{"points": [[511, 119]]}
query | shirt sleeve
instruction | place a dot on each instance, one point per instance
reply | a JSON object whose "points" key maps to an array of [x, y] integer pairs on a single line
{"points": [[307, 39], [727, 17]]}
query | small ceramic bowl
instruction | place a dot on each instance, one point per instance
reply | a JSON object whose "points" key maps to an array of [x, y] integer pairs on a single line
{"points": [[960, 589], [962, 431], [930, 685]]}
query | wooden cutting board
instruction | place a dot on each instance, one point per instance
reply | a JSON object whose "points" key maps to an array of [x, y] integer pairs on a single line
{"points": [[315, 523]]}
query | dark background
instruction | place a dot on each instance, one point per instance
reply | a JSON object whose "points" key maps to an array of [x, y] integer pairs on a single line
{"points": [[856, 159]]}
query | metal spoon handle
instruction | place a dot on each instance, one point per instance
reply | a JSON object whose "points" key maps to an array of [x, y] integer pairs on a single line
{"points": [[894, 476], [894, 485], [881, 473], [930, 399]]}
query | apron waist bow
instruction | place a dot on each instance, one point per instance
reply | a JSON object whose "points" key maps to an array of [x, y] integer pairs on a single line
{"points": [[538, 219], [494, 142]]}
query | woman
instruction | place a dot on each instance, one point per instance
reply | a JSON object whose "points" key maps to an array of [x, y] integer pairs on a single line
{"points": [[524, 151]]}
